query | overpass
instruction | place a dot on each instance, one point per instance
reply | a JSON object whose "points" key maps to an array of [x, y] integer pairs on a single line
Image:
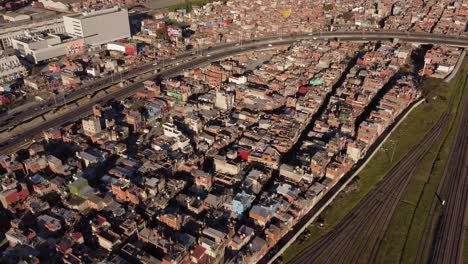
{"points": [[12, 119], [187, 60]]}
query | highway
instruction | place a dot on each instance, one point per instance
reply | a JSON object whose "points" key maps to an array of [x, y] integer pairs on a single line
{"points": [[187, 60], [450, 234], [14, 144], [11, 119], [370, 218]]}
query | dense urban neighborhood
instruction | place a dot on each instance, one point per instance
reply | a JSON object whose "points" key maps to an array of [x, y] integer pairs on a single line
{"points": [[216, 162]]}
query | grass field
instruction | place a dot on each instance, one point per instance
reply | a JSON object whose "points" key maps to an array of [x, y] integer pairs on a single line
{"points": [[405, 137], [189, 4], [406, 228], [174, 5]]}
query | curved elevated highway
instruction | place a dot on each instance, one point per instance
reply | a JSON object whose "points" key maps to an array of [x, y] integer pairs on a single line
{"points": [[184, 61]]}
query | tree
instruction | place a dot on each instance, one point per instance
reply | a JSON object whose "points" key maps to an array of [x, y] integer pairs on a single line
{"points": [[328, 7], [162, 34]]}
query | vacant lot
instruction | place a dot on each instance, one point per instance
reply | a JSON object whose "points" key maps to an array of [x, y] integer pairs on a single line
{"points": [[156, 4]]}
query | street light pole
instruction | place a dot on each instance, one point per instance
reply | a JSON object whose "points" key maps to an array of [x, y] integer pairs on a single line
{"points": [[393, 152], [442, 202]]}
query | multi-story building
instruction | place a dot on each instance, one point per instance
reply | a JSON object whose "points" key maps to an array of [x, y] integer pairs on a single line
{"points": [[99, 27], [9, 196], [91, 126], [241, 202], [11, 69], [21, 29], [39, 47]]}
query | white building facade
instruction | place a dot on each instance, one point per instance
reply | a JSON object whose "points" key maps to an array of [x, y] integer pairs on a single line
{"points": [[8, 33], [11, 69], [40, 47], [99, 27]]}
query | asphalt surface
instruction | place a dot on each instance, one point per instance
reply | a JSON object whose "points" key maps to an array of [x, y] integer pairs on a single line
{"points": [[16, 143], [184, 61], [449, 239], [369, 220], [89, 88], [11, 120]]}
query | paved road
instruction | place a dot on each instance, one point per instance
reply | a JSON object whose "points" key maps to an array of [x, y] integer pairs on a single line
{"points": [[13, 144], [449, 241], [9, 120], [371, 216], [191, 59], [40, 108]]}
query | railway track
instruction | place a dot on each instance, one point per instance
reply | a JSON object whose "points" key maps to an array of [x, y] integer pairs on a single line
{"points": [[361, 232], [357, 238], [426, 244], [448, 243]]}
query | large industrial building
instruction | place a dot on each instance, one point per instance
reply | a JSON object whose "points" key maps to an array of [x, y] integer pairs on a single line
{"points": [[88, 29], [39, 47], [99, 27], [20, 29]]}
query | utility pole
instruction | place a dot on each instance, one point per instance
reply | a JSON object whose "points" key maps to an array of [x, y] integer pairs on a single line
{"points": [[423, 71], [240, 37], [393, 151]]}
